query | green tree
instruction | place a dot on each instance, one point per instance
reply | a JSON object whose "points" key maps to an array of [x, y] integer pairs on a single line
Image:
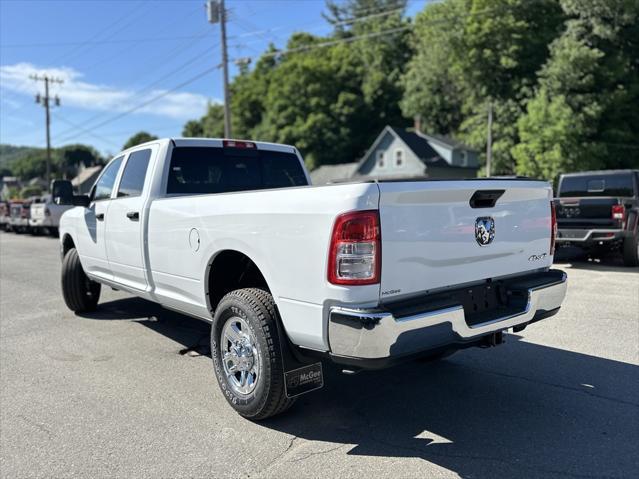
{"points": [[314, 101], [329, 99], [138, 138], [474, 53], [211, 125], [592, 81], [31, 165], [69, 158], [29, 191], [433, 82]]}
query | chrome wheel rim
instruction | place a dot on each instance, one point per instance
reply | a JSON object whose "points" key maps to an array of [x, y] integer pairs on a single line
{"points": [[240, 357]]}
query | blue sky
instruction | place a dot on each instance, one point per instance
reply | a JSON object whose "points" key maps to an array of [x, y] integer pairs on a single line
{"points": [[121, 54]]}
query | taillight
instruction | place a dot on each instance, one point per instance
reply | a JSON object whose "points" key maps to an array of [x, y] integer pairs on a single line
{"points": [[355, 250], [553, 228], [618, 212], [238, 144]]}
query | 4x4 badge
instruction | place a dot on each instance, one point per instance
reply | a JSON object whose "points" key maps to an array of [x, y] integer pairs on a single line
{"points": [[484, 230]]}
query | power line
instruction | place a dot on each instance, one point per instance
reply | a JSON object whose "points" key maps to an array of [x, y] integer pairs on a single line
{"points": [[145, 103], [147, 88], [76, 126], [102, 42], [329, 43], [158, 61], [84, 46]]}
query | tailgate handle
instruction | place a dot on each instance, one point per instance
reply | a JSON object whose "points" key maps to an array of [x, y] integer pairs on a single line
{"points": [[485, 198]]}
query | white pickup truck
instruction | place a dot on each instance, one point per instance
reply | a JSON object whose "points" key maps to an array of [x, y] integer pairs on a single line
{"points": [[290, 275], [45, 216]]}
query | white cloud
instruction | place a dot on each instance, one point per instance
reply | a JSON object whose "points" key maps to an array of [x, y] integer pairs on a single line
{"points": [[78, 93]]}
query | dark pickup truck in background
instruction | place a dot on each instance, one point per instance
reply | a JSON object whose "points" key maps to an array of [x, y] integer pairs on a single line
{"points": [[599, 211]]}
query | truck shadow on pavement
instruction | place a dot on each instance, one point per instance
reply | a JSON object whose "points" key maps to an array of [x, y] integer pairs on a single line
{"points": [[518, 410]]}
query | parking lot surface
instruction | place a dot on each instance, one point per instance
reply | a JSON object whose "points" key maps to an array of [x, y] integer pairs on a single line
{"points": [[124, 392]]}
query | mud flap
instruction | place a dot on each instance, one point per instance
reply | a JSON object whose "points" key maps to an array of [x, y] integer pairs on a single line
{"points": [[303, 380], [300, 375]]}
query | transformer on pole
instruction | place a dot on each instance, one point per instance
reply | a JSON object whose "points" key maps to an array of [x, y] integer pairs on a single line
{"points": [[45, 101]]}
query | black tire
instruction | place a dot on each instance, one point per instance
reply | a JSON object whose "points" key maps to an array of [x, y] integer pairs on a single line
{"points": [[80, 294], [257, 310], [631, 250]]}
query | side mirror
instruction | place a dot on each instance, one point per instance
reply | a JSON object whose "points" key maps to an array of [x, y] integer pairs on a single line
{"points": [[81, 200], [62, 192]]}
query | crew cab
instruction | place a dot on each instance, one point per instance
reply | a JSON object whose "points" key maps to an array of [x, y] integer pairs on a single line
{"points": [[291, 275], [599, 211]]}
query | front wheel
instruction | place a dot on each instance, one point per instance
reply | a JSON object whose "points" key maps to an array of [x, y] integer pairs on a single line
{"points": [[80, 294], [245, 347]]}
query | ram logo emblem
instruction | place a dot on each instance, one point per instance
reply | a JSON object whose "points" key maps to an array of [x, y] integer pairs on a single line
{"points": [[484, 230]]}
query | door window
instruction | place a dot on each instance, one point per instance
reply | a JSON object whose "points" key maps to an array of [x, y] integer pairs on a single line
{"points": [[104, 186], [132, 181]]}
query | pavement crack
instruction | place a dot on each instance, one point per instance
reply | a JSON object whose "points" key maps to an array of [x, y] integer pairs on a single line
{"points": [[555, 385], [318, 453], [37, 425]]}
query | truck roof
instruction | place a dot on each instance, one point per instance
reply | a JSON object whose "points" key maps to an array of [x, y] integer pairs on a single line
{"points": [[215, 142], [599, 172]]}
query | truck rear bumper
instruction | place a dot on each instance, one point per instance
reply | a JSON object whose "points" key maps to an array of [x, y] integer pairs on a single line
{"points": [[582, 236], [360, 334], [40, 222]]}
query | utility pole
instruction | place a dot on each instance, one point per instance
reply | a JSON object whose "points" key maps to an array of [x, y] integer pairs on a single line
{"points": [[489, 140], [45, 102], [217, 13]]}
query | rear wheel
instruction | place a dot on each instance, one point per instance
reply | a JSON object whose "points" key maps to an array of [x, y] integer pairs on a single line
{"points": [[631, 250], [245, 347], [80, 293]]}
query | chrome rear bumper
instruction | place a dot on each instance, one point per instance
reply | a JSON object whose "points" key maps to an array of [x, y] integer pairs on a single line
{"points": [[377, 334]]}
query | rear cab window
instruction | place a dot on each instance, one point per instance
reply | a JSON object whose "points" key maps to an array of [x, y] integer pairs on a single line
{"points": [[605, 184], [134, 174], [205, 170]]}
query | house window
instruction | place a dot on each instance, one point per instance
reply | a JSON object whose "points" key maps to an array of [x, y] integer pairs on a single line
{"points": [[399, 158], [380, 159], [464, 158]]}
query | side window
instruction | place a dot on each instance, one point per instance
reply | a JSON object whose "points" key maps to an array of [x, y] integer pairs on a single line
{"points": [[105, 184], [134, 174]]}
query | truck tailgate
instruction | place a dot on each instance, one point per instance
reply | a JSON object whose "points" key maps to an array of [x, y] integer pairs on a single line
{"points": [[428, 232], [586, 212], [37, 211]]}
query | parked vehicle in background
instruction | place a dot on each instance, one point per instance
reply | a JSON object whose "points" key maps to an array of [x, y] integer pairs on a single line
{"points": [[4, 214], [598, 211], [45, 216], [19, 211], [363, 274]]}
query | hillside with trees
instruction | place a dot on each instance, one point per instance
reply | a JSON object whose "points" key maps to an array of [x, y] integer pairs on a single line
{"points": [[27, 163]]}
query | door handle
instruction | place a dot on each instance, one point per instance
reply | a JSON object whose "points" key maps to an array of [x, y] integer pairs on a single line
{"points": [[99, 216], [133, 215]]}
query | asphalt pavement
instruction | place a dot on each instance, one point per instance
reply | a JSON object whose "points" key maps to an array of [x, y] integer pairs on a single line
{"points": [[129, 391]]}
